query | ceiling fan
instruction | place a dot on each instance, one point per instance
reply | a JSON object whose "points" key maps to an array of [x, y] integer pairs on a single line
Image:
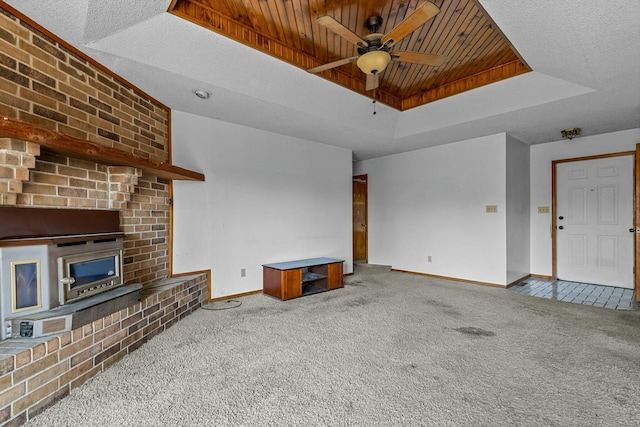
{"points": [[374, 50]]}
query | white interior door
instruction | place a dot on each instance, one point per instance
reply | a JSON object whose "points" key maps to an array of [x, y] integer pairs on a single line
{"points": [[594, 215]]}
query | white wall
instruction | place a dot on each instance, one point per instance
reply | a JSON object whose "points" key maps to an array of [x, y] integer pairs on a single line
{"points": [[518, 211], [266, 198], [541, 157], [431, 202]]}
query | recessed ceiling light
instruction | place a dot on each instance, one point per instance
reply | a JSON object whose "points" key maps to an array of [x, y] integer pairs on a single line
{"points": [[202, 94]]}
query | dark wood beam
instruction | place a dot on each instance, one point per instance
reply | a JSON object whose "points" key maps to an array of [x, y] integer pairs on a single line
{"points": [[82, 149]]}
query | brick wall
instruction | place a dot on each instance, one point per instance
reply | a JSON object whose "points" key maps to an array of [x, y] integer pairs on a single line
{"points": [[35, 373], [146, 224], [46, 83], [59, 181]]}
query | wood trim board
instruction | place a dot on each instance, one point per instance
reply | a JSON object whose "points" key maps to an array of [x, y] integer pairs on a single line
{"points": [[455, 279], [61, 143]]}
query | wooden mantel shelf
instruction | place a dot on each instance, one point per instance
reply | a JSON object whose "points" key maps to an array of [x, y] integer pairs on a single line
{"points": [[79, 148]]}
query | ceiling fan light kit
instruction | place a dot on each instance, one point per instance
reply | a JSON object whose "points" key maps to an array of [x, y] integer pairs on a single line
{"points": [[375, 49], [373, 62]]}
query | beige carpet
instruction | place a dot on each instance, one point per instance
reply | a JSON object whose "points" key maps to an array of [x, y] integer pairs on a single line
{"points": [[390, 349]]}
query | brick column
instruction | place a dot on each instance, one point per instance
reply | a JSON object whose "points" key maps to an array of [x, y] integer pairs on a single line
{"points": [[16, 158], [122, 184]]}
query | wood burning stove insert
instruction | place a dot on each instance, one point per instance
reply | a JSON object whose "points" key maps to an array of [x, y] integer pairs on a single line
{"points": [[74, 260]]}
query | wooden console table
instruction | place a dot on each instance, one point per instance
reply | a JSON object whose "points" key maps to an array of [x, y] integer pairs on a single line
{"points": [[293, 279]]}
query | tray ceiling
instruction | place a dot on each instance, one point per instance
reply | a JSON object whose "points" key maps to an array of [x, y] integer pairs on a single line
{"points": [[477, 51]]}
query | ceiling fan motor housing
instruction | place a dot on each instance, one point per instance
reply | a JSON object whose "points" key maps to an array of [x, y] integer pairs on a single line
{"points": [[373, 43], [373, 23]]}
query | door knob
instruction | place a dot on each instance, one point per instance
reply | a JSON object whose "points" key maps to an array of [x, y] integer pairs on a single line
{"points": [[631, 230], [561, 227], [560, 217]]}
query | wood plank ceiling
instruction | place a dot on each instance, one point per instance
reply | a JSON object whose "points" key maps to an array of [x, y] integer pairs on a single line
{"points": [[477, 52]]}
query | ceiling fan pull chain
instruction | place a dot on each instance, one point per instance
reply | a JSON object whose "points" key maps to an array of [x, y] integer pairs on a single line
{"points": [[374, 102]]}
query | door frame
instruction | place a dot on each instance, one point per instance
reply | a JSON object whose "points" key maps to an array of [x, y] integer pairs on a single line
{"points": [[362, 178], [636, 209]]}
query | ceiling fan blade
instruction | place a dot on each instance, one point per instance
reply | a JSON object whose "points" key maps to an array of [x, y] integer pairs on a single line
{"points": [[341, 30], [419, 58], [333, 64], [422, 14], [372, 81]]}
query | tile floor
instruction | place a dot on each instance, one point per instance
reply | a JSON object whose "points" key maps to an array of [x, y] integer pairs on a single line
{"points": [[580, 293]]}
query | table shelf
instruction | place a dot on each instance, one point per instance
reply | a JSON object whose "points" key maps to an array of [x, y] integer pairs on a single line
{"points": [[293, 279], [310, 277]]}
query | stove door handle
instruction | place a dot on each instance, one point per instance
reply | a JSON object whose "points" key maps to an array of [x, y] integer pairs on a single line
{"points": [[67, 280]]}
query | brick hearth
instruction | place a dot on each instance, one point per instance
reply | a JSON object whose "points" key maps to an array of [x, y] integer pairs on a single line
{"points": [[35, 373]]}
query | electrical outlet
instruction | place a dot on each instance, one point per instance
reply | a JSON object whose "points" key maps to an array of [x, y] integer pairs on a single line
{"points": [[492, 208], [429, 258], [543, 209], [243, 272]]}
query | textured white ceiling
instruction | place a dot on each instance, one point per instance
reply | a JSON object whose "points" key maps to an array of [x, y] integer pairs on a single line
{"points": [[585, 55]]}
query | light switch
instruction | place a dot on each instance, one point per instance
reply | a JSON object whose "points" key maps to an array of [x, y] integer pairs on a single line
{"points": [[543, 209], [492, 208]]}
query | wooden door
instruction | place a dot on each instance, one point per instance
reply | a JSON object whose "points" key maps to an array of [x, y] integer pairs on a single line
{"points": [[594, 221], [360, 237]]}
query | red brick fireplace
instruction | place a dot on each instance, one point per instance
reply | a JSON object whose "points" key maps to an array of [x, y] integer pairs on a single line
{"points": [[73, 135]]}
